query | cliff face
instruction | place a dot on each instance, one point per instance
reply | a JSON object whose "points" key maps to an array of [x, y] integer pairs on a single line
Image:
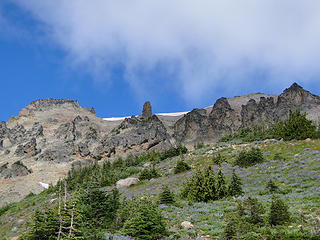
{"points": [[51, 135], [226, 118]]}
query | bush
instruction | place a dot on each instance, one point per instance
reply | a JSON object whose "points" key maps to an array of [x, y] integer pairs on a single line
{"points": [[272, 187], [166, 196], [146, 223], [173, 152], [250, 134], [279, 213], [297, 126], [181, 166], [217, 159], [249, 158], [147, 174]]}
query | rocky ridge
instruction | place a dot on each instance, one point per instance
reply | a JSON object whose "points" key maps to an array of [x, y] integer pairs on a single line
{"points": [[50, 136]]}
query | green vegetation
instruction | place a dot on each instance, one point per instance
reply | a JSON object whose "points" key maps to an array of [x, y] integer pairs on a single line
{"points": [[297, 126], [204, 186], [249, 158], [181, 166], [235, 187], [146, 222], [278, 212], [250, 134], [147, 174]]}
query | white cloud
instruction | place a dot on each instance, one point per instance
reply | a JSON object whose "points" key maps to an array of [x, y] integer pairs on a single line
{"points": [[206, 44]]}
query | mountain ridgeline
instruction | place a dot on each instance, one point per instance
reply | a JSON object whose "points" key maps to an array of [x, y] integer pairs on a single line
{"points": [[51, 136]]}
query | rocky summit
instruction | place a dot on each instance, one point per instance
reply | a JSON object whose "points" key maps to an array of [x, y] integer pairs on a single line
{"points": [[50, 136]]}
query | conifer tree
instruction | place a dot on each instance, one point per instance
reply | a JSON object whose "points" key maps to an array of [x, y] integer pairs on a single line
{"points": [[209, 185], [147, 223], [279, 213], [221, 185], [166, 196], [235, 186]]}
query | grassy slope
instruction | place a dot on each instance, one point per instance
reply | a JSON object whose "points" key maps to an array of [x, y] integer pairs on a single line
{"points": [[298, 175]]}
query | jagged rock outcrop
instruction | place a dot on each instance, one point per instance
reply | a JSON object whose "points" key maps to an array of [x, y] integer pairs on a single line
{"points": [[225, 119]]}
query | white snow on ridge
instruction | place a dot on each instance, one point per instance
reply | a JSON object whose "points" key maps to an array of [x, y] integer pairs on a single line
{"points": [[172, 114], [176, 114]]}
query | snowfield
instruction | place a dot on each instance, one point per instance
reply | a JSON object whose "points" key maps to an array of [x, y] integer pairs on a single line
{"points": [[175, 114]]}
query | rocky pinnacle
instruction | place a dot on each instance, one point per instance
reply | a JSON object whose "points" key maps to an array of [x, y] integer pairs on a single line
{"points": [[147, 111]]}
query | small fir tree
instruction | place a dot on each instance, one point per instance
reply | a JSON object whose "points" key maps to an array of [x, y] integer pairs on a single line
{"points": [[279, 213], [166, 196], [235, 186], [147, 223], [221, 185]]}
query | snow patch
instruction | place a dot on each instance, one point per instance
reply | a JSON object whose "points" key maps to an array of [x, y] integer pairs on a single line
{"points": [[175, 114]]}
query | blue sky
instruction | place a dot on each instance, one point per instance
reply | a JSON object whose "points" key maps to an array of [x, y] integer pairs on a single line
{"points": [[113, 56]]}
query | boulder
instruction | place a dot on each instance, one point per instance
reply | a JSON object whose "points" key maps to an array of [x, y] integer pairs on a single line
{"points": [[187, 225], [127, 182]]}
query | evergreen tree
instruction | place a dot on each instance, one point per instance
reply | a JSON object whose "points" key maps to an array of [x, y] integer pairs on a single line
{"points": [[235, 186], [297, 126], [147, 223], [221, 185], [99, 208], [166, 196], [209, 185], [255, 211], [279, 213]]}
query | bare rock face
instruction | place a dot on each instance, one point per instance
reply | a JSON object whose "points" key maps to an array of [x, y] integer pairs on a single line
{"points": [[137, 134], [255, 113], [225, 119], [194, 126], [16, 170], [146, 111]]}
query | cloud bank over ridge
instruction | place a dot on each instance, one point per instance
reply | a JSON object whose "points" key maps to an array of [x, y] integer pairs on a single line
{"points": [[203, 45]]}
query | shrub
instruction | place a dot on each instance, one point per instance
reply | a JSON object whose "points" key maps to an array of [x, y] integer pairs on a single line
{"points": [[181, 166], [297, 126], [249, 158], [272, 187], [279, 213], [250, 134], [217, 159], [166, 196], [147, 174], [173, 152], [235, 186]]}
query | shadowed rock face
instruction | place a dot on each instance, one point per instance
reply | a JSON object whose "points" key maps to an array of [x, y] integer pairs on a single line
{"points": [[223, 119]]}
